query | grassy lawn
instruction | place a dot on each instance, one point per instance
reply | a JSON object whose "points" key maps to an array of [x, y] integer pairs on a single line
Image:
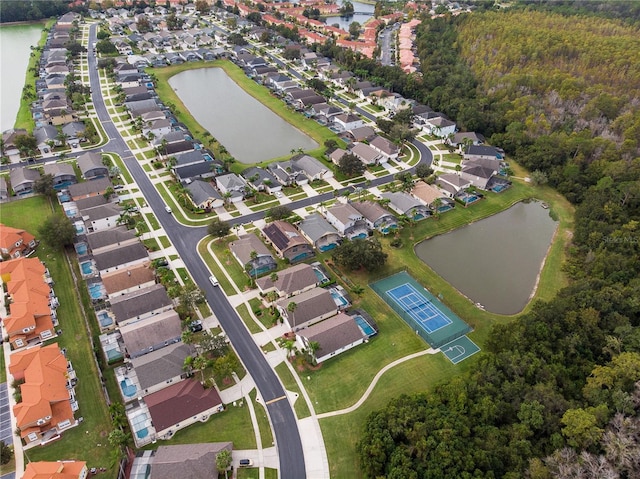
{"points": [[263, 421], [81, 442], [220, 248], [263, 314], [233, 424], [254, 473], [153, 221], [289, 383], [164, 241], [124, 173], [249, 322]]}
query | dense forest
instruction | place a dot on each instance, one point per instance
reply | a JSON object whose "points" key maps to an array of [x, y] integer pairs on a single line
{"points": [[557, 392], [26, 11]]}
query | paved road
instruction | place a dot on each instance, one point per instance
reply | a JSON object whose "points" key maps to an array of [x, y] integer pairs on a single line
{"points": [[185, 240]]}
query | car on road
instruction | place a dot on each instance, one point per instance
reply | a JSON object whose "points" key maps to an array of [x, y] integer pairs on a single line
{"points": [[167, 209], [213, 280], [246, 463]]}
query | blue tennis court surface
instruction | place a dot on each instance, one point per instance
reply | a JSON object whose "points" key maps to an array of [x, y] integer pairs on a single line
{"points": [[419, 307]]}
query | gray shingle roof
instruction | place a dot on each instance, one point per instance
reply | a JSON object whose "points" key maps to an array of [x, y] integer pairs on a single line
{"points": [[159, 366], [137, 303], [151, 333], [315, 227], [118, 256], [333, 334], [292, 279], [310, 305], [245, 244]]}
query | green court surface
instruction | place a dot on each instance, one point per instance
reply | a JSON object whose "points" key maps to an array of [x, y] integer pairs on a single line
{"points": [[459, 349], [421, 310]]}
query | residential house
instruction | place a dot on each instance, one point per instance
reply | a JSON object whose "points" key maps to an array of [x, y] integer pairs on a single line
{"points": [[367, 154], [441, 127], [308, 102], [363, 133], [204, 195], [287, 241], [451, 184], [56, 470], [407, 205], [290, 281], [74, 132], [311, 168], [325, 112], [22, 180], [46, 137], [141, 304], [376, 216], [262, 180], [479, 176], [172, 461], [231, 186], [113, 238], [48, 395], [128, 280], [463, 139], [192, 171], [254, 257], [88, 189], [156, 128], [319, 232], [119, 258], [101, 217], [429, 195], [91, 166], [32, 307], [63, 174], [15, 242], [154, 371], [347, 220], [151, 334], [310, 307], [387, 149], [482, 152], [9, 141], [347, 121], [334, 335], [336, 155]]}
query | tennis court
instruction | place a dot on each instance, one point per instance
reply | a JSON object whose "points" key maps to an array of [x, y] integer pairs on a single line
{"points": [[422, 311]]}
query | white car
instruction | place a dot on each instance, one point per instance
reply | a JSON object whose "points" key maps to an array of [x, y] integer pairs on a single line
{"points": [[213, 280], [167, 209], [278, 194]]}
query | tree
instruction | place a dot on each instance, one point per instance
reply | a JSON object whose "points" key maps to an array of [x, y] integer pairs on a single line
{"points": [[118, 438], [174, 22], [360, 253], [105, 47], [351, 165], [44, 186], [213, 344], [190, 295], [6, 453], [539, 178], [203, 7], [223, 461], [354, 30], [26, 144], [278, 213], [57, 231], [291, 308], [118, 414], [581, 427], [218, 228]]}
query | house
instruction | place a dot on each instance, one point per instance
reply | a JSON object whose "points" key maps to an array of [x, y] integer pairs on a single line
{"points": [[310, 307], [181, 405], [319, 232], [32, 306], [87, 189], [203, 170], [451, 184], [204, 195], [254, 257], [154, 371], [46, 137], [376, 216], [462, 139], [141, 304], [91, 166], [114, 238], [334, 335], [347, 220], [15, 242], [482, 152], [308, 101], [440, 126], [262, 180], [367, 154], [9, 141], [363, 133], [407, 205], [119, 258], [22, 180], [48, 394], [63, 174], [428, 194], [4, 188], [128, 280], [156, 128], [56, 470], [479, 176], [232, 186], [101, 217], [197, 461], [151, 334], [290, 281], [287, 241], [387, 149], [347, 121], [336, 155], [311, 168]]}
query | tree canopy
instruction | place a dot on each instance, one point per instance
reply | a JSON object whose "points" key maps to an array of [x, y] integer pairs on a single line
{"points": [[218, 228], [57, 231], [360, 253]]}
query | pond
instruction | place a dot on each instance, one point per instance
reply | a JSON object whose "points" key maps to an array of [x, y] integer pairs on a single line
{"points": [[248, 130], [15, 43], [496, 261], [362, 13]]}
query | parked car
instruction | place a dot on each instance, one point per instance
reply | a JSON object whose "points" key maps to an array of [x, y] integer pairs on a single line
{"points": [[246, 463]]}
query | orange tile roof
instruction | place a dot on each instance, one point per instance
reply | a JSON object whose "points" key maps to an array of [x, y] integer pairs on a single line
{"points": [[10, 236], [54, 470]]}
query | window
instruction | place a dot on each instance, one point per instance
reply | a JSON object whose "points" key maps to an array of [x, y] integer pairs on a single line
{"points": [[45, 334], [64, 424], [32, 437], [19, 343]]}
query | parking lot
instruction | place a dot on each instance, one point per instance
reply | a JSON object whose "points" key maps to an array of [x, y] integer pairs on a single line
{"points": [[5, 415]]}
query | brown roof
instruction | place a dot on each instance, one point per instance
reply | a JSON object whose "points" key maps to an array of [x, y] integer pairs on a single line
{"points": [[283, 235], [127, 278], [291, 279], [245, 244], [179, 402], [333, 333], [310, 304], [426, 192], [195, 461]]}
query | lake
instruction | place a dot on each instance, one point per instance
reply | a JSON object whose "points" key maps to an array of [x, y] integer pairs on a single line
{"points": [[496, 261], [364, 11], [248, 130], [15, 43]]}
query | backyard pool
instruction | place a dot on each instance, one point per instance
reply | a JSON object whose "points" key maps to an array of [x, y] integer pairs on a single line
{"points": [[128, 388], [207, 157], [338, 298], [81, 249], [96, 291], [104, 319], [86, 268], [364, 326], [499, 188], [322, 278]]}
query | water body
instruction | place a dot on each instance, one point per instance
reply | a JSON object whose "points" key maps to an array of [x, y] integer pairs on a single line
{"points": [[248, 129], [496, 261], [364, 13], [15, 43]]}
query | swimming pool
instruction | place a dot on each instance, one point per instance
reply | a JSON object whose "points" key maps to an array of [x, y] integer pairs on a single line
{"points": [[81, 249], [96, 291], [207, 157], [86, 268], [104, 319], [339, 299], [79, 227], [364, 326], [128, 389], [322, 278], [499, 188]]}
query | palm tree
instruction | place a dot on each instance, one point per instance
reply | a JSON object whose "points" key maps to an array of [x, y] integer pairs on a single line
{"points": [[200, 363], [313, 347], [437, 203], [291, 308], [223, 461], [273, 277]]}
